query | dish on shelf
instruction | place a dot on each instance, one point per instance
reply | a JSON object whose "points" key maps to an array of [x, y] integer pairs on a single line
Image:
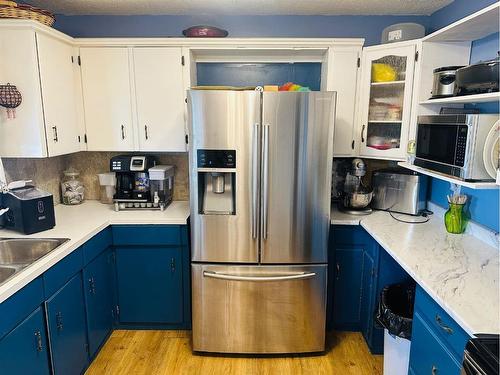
{"points": [[491, 151]]}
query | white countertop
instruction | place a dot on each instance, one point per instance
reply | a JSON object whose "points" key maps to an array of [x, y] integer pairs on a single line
{"points": [[460, 272], [79, 224]]}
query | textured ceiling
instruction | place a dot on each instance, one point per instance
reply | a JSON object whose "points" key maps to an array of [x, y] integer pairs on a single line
{"points": [[241, 7]]}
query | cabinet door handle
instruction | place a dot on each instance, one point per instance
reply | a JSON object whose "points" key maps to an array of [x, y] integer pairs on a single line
{"points": [[337, 266], [146, 132], [352, 144], [39, 343], [434, 370], [443, 326], [54, 130], [172, 265], [92, 285], [59, 321], [123, 131], [363, 134]]}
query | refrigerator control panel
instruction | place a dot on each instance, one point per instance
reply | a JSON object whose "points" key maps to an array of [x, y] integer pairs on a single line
{"points": [[216, 158]]}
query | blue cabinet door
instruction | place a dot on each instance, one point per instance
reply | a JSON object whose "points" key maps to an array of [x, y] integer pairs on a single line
{"points": [[368, 297], [67, 328], [24, 349], [348, 279], [428, 355], [149, 284], [98, 280]]}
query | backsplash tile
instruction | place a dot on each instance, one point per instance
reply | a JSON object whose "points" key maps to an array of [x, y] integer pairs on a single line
{"points": [[47, 173]]}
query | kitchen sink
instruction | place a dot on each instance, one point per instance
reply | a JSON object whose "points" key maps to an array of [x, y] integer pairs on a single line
{"points": [[19, 253], [5, 273], [24, 251]]}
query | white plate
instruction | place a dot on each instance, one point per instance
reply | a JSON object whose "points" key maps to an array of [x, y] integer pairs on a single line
{"points": [[491, 151]]}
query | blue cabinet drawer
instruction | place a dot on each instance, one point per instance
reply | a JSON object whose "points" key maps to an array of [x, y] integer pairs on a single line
{"points": [[55, 277], [441, 323], [427, 354], [97, 244], [350, 234], [17, 307], [146, 235]]}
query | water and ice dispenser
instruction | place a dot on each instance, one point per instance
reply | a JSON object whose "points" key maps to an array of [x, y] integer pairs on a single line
{"points": [[216, 182]]}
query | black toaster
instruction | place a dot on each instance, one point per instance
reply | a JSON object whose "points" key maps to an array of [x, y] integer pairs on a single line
{"points": [[477, 78]]}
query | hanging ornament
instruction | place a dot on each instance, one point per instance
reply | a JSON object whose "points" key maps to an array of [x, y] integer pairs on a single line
{"points": [[10, 98]]}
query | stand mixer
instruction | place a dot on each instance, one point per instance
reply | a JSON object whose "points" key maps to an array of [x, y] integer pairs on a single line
{"points": [[356, 197]]}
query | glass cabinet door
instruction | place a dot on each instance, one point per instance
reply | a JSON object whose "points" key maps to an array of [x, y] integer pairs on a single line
{"points": [[387, 85]]}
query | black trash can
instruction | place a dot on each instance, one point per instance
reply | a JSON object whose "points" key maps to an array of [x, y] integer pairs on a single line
{"points": [[395, 314]]}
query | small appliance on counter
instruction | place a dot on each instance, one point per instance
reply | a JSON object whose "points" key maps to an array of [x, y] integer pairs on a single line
{"points": [[27, 210], [454, 144], [132, 182], [479, 78], [399, 190], [444, 81], [356, 197], [161, 181]]}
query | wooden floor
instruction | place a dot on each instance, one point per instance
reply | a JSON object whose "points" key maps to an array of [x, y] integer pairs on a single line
{"points": [[169, 352]]}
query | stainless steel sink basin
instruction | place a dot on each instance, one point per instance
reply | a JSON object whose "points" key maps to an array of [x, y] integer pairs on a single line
{"points": [[5, 273], [24, 251]]}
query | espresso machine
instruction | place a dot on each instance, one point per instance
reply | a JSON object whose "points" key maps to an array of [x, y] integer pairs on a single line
{"points": [[132, 181]]}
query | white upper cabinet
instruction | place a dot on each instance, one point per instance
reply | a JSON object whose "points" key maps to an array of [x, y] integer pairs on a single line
{"points": [[40, 66], [107, 100], [159, 94], [385, 102], [344, 78], [57, 66]]}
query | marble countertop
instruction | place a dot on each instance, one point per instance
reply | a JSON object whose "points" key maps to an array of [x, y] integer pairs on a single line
{"points": [[79, 224], [460, 272]]}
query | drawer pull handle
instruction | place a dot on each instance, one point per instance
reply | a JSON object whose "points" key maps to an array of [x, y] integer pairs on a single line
{"points": [[59, 321], [92, 285], [443, 326], [434, 370], [280, 277], [39, 344], [338, 270]]}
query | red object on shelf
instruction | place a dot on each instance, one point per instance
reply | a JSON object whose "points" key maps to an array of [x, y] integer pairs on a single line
{"points": [[204, 32], [380, 147]]}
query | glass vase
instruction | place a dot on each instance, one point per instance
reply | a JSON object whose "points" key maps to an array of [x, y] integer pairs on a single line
{"points": [[455, 219]]}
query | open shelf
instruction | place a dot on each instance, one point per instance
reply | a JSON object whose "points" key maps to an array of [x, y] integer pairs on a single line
{"points": [[476, 26], [389, 83], [471, 185], [476, 98]]}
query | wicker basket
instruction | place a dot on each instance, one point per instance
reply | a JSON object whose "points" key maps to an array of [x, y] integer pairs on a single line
{"points": [[24, 11]]}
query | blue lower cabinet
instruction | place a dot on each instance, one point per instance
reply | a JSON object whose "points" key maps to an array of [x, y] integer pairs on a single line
{"points": [[24, 349], [348, 281], [98, 280], [427, 354], [149, 284], [67, 328], [368, 297]]}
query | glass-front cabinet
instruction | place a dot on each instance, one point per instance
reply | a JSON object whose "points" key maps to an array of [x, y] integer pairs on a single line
{"points": [[386, 91]]}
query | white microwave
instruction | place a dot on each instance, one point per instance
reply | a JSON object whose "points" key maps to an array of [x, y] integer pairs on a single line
{"points": [[453, 144]]}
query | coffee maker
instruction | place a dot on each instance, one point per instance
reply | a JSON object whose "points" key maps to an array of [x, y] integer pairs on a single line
{"points": [[132, 181]]}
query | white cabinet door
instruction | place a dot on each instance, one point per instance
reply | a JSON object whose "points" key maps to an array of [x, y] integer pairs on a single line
{"points": [[57, 80], [344, 82], [385, 106], [107, 98], [159, 94], [24, 135]]}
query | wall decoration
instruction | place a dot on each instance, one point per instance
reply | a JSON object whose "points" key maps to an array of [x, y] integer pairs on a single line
{"points": [[10, 98]]}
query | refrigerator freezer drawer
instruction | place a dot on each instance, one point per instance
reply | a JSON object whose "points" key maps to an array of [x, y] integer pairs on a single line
{"points": [[259, 309]]}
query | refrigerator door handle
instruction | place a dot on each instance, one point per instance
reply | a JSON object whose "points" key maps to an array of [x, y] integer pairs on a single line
{"points": [[280, 277], [265, 180], [255, 179]]}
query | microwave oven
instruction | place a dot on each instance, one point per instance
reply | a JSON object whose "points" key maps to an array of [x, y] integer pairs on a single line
{"points": [[453, 144]]}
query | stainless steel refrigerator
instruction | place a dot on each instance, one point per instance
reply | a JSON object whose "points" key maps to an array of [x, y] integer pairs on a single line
{"points": [[260, 180]]}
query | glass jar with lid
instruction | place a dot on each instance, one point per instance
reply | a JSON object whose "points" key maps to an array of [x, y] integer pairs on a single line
{"points": [[72, 189]]}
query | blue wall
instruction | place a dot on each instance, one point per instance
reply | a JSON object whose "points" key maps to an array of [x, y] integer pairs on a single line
{"points": [[484, 206], [368, 27]]}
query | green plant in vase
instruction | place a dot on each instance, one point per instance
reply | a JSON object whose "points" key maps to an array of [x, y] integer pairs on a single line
{"points": [[455, 219]]}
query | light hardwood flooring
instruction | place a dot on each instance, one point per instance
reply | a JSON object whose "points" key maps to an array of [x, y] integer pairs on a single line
{"points": [[169, 352]]}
